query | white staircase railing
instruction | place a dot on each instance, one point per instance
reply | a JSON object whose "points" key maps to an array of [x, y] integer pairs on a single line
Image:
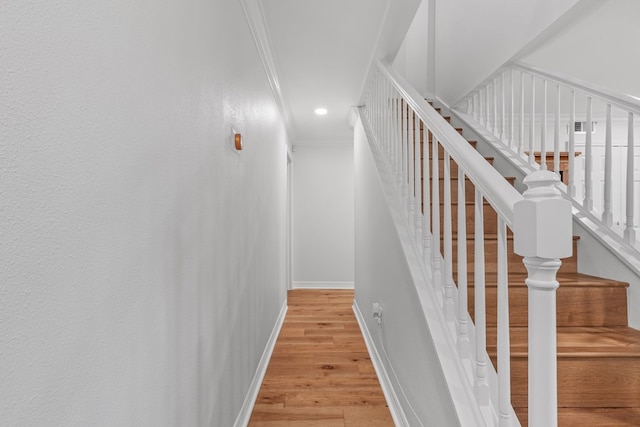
{"points": [[540, 221], [581, 131]]}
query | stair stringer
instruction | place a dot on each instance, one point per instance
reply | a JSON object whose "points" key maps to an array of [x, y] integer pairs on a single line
{"points": [[601, 253], [457, 371]]}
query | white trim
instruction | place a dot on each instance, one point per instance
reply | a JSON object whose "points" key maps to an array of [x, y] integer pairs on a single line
{"points": [[257, 24], [397, 413], [321, 285], [244, 416], [322, 143]]}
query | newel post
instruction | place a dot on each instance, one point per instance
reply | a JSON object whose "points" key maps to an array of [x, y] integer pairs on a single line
{"points": [[542, 230]]}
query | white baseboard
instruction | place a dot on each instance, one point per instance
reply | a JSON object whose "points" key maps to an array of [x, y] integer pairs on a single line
{"points": [[397, 413], [322, 285], [242, 420]]}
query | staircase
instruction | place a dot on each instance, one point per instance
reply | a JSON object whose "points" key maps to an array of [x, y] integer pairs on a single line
{"points": [[598, 354]]}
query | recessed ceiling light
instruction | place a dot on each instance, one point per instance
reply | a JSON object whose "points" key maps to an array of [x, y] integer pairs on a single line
{"points": [[321, 111]]}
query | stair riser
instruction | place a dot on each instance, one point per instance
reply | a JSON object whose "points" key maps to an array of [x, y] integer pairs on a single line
{"points": [[440, 149], [575, 306], [515, 265], [607, 382], [453, 167], [490, 219], [469, 189]]}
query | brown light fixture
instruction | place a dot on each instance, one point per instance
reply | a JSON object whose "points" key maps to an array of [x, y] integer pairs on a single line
{"points": [[238, 142]]}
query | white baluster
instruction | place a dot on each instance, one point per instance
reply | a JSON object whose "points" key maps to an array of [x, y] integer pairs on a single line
{"points": [[607, 215], [376, 106], [572, 144], [502, 110], [511, 111], [383, 121], [488, 110], [426, 197], [449, 310], [495, 106], [533, 120], [388, 117], [411, 199], [521, 142], [504, 343], [404, 180], [481, 108], [474, 110], [543, 136], [629, 231], [588, 161], [463, 309], [418, 182], [481, 385], [556, 135], [435, 218], [394, 136], [542, 234], [399, 150]]}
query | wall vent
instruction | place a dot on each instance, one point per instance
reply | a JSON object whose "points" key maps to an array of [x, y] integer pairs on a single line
{"points": [[581, 128]]}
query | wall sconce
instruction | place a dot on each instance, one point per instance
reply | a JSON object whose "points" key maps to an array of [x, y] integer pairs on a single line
{"points": [[238, 143]]}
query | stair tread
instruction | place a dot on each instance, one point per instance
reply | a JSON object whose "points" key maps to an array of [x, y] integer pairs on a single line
{"points": [[565, 280], [600, 417], [579, 341], [550, 154], [491, 236], [511, 179]]}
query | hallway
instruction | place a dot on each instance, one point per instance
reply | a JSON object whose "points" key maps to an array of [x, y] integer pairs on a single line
{"points": [[320, 373]]}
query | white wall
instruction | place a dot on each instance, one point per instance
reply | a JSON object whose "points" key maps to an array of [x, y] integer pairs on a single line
{"points": [[141, 258], [473, 39], [599, 48], [323, 228], [412, 58], [383, 276]]}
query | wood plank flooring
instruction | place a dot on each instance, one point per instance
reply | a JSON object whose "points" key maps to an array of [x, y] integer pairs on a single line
{"points": [[320, 373]]}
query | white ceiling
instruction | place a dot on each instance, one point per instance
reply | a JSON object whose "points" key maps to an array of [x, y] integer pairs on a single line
{"points": [[323, 50]]}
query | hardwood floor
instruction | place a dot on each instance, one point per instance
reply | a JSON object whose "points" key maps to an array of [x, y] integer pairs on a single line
{"points": [[320, 373]]}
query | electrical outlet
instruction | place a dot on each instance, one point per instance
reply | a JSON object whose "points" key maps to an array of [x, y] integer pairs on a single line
{"points": [[377, 313]]}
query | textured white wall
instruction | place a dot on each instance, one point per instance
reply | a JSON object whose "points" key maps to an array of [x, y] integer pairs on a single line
{"points": [[383, 276], [141, 259], [323, 229], [473, 39]]}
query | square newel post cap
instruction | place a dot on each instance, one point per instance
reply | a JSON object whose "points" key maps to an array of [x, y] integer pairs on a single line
{"points": [[542, 222]]}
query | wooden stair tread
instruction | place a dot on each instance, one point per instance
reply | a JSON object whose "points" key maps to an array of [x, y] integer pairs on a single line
{"points": [[550, 154], [579, 342], [494, 236], [584, 417], [601, 417], [565, 279]]}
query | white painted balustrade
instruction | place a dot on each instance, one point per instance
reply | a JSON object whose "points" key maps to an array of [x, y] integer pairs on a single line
{"points": [[594, 148], [421, 159]]}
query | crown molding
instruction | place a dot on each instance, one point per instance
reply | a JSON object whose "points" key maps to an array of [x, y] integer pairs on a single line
{"points": [[257, 24]]}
